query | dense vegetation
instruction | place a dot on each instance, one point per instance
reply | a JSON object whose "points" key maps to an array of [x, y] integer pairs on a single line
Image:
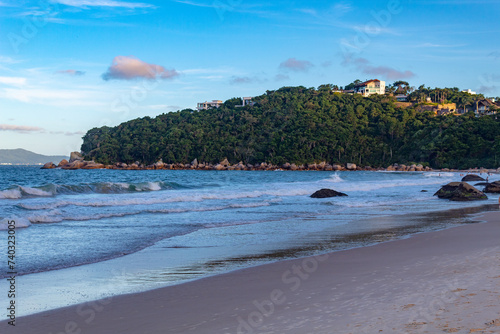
{"points": [[302, 125]]}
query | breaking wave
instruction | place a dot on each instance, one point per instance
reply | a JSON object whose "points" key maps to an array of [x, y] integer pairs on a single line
{"points": [[86, 188]]}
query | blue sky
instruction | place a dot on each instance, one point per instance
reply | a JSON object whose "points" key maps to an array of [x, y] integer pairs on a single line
{"points": [[69, 65]]}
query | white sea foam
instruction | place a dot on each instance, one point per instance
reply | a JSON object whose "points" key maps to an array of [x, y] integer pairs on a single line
{"points": [[53, 216], [10, 194], [335, 178], [153, 186], [20, 223], [371, 185], [56, 216], [440, 174], [35, 191]]}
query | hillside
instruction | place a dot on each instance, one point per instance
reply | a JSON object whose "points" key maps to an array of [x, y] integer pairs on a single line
{"points": [[23, 157], [302, 125]]}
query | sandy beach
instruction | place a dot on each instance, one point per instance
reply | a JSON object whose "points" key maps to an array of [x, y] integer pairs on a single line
{"points": [[437, 282]]}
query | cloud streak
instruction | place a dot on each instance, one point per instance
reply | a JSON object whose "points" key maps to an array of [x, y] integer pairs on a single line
{"points": [[71, 72], [130, 68], [363, 65], [245, 80], [103, 3], [296, 65], [20, 128], [13, 81]]}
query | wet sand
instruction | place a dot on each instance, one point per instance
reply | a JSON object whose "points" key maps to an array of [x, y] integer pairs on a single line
{"points": [[438, 282]]}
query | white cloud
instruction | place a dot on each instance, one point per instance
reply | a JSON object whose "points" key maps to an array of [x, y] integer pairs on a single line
{"points": [[192, 3], [13, 81], [162, 107], [103, 3], [55, 96], [8, 60], [432, 45]]}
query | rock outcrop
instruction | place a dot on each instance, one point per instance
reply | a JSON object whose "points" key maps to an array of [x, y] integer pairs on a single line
{"points": [[76, 164], [62, 163], [74, 156], [460, 191], [472, 177], [93, 165], [493, 187], [49, 165], [351, 166], [325, 193]]}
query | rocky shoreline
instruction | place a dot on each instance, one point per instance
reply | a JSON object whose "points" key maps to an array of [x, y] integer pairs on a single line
{"points": [[77, 162]]}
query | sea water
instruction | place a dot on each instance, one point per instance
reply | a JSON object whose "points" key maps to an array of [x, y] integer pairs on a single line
{"points": [[88, 234]]}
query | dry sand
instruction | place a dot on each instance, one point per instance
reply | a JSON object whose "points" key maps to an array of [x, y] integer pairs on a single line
{"points": [[438, 282]]}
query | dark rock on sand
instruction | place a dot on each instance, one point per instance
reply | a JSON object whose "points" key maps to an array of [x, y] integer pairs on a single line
{"points": [[325, 193], [472, 177], [493, 187], [460, 191]]}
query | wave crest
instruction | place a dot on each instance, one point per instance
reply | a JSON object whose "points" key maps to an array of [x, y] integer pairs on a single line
{"points": [[48, 190]]}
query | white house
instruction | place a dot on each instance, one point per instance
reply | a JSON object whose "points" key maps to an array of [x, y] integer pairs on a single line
{"points": [[207, 105], [370, 87], [247, 101], [469, 91]]}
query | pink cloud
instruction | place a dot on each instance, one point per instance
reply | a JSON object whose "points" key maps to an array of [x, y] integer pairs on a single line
{"points": [[129, 68], [364, 65], [20, 128], [296, 65], [71, 72]]}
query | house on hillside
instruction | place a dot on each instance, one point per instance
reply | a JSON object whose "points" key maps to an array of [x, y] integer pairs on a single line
{"points": [[401, 98], [207, 105], [486, 107], [370, 87], [469, 91], [247, 101], [440, 109]]}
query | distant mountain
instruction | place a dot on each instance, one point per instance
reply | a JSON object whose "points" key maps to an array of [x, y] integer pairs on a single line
{"points": [[24, 157]]}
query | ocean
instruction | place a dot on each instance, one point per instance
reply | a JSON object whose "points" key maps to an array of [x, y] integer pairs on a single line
{"points": [[82, 235]]}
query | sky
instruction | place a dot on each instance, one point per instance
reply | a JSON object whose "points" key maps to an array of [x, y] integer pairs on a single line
{"points": [[67, 66]]}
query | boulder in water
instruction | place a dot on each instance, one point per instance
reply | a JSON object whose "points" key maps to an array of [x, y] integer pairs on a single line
{"points": [[62, 163], [493, 187], [472, 177], [325, 193], [460, 191], [49, 165]]}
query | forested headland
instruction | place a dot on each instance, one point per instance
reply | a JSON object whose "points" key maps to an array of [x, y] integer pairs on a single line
{"points": [[306, 125]]}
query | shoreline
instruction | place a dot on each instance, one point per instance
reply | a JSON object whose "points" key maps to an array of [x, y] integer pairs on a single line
{"points": [[77, 162], [324, 288]]}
